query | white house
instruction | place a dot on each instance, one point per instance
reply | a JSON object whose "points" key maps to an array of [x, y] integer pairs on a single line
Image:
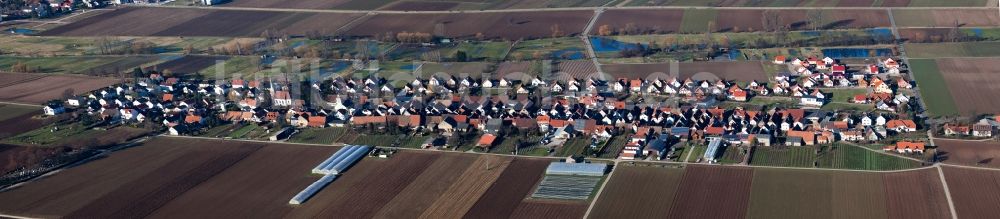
{"points": [[52, 110]]}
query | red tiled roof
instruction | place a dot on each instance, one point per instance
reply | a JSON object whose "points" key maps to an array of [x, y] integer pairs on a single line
{"points": [[715, 130], [897, 123], [486, 141], [317, 121], [360, 120], [192, 119], [916, 146], [806, 136]]}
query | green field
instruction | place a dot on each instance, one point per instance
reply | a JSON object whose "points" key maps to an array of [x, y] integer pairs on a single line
{"points": [[414, 141], [696, 152], [732, 155], [840, 99], [478, 51], [508, 144], [961, 49], [66, 65], [237, 64], [696, 20], [318, 135], [573, 146], [11, 111], [546, 48], [52, 134], [848, 106], [779, 156], [933, 88], [614, 146], [842, 156], [377, 140]]}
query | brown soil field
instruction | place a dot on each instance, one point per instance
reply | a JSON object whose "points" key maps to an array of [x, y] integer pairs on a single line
{"points": [[966, 17], [780, 193], [947, 18], [427, 187], [736, 20], [580, 69], [858, 195], [493, 25], [188, 64], [281, 169], [975, 192], [973, 80], [311, 4], [133, 21], [971, 153], [550, 209], [335, 191], [903, 189], [127, 21], [638, 192], [379, 188], [141, 197], [468, 188], [646, 21], [420, 6], [7, 79], [507, 68], [141, 177], [177, 178], [13, 157], [514, 185], [739, 71], [705, 189], [21, 124], [52, 87]]}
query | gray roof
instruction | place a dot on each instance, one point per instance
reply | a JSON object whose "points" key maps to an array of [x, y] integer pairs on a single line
{"points": [[586, 169]]}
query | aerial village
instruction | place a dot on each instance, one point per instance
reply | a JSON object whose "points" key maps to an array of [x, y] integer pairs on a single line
{"points": [[488, 110]]}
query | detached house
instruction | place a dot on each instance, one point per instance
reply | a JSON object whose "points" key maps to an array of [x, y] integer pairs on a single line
{"points": [[53, 109], [901, 125], [281, 99], [982, 130], [951, 129], [906, 147]]}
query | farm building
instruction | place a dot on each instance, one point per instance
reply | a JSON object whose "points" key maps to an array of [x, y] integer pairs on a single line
{"points": [[564, 180], [714, 147], [331, 167], [582, 169]]}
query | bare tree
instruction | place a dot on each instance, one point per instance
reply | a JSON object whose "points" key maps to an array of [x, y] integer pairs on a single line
{"points": [[816, 18]]}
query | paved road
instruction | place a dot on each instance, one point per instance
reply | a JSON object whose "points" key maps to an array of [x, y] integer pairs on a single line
{"points": [[585, 36], [947, 192], [906, 60], [19, 104]]}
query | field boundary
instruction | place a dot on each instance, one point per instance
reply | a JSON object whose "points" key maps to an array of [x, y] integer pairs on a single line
{"points": [[600, 190], [947, 193]]}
